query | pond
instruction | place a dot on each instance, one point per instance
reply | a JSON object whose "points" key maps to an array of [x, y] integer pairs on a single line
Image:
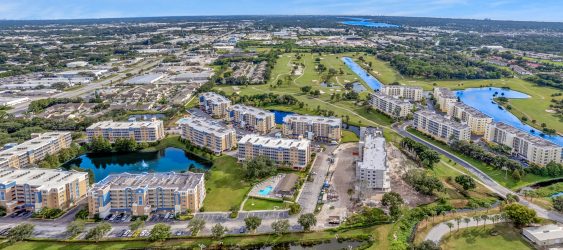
{"points": [[482, 100], [367, 23], [166, 160], [371, 81]]}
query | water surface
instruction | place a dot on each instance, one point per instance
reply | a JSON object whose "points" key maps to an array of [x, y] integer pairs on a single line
{"points": [[367, 23], [371, 81]]}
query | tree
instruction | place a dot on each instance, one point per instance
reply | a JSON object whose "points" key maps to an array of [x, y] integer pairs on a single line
{"points": [[99, 145], [280, 227], [466, 220], [218, 231], [558, 203], [196, 225], [450, 226], [307, 221], [99, 231], [125, 145], [465, 181], [20, 232], [160, 232], [477, 219], [484, 217], [294, 208], [252, 223], [138, 223], [458, 221], [519, 214], [394, 201], [427, 245], [75, 227], [259, 167], [306, 89]]}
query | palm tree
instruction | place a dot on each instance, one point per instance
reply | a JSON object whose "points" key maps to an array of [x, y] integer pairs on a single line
{"points": [[493, 218], [484, 217], [466, 220], [450, 225], [458, 220], [433, 213], [477, 219]]}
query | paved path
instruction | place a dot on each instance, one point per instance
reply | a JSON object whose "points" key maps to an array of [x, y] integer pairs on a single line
{"points": [[484, 178], [437, 232]]}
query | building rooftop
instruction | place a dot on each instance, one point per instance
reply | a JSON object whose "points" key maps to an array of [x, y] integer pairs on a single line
{"points": [[333, 121], [401, 87], [446, 93], [38, 140], [392, 99], [125, 125], [525, 136], [145, 79], [474, 112], [547, 232], [206, 125], [214, 97], [270, 142], [41, 179], [169, 180], [374, 155], [442, 119], [259, 113]]}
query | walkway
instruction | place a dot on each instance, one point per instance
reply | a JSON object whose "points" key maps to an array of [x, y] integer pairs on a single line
{"points": [[437, 232]]}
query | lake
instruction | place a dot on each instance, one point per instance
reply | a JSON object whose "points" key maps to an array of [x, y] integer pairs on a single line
{"points": [[482, 100], [371, 81], [367, 23], [166, 160]]}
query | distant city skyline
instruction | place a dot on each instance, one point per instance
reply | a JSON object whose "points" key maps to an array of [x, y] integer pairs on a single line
{"points": [[521, 10]]}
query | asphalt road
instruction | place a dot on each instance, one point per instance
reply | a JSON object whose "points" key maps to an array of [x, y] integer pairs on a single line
{"points": [[487, 181]]}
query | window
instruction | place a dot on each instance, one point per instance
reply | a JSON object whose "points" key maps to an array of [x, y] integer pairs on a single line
{"points": [[140, 200]]}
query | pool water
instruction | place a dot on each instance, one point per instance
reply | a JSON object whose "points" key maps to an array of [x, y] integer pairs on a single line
{"points": [[265, 191]]}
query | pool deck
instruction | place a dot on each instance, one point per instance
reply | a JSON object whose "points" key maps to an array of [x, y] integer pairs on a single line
{"points": [[270, 182]]}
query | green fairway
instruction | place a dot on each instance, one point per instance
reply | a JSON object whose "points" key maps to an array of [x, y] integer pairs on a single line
{"points": [[480, 238], [262, 204], [225, 187]]}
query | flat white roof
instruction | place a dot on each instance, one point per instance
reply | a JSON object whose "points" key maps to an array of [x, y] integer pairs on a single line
{"points": [[271, 142], [30, 145], [374, 155], [547, 232], [42, 179], [260, 113], [314, 119], [125, 125], [206, 125]]}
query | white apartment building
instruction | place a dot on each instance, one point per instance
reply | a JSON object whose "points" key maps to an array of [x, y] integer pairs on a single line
{"points": [[372, 170], [318, 128], [524, 145], [294, 153], [444, 97], [141, 131], [35, 149], [405, 92], [208, 134], [251, 118], [440, 127], [392, 106], [143, 194], [214, 104], [473, 117]]}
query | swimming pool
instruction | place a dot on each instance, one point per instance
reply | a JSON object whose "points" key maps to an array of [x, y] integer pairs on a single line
{"points": [[265, 191]]}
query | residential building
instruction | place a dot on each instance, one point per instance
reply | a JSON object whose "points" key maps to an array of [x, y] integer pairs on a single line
{"points": [[473, 117], [290, 152], [34, 189], [406, 92], [392, 106], [141, 131], [251, 118], [327, 129], [440, 127], [444, 97], [214, 104], [35, 149], [531, 148], [520, 70], [143, 194], [544, 236], [208, 134], [372, 170]]}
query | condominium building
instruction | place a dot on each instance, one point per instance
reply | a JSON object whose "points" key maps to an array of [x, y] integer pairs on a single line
{"points": [[392, 106], [35, 149], [33, 189], [214, 104], [524, 145], [444, 97], [440, 127], [141, 131], [290, 152], [372, 170], [473, 117], [142, 194], [327, 129], [251, 118], [208, 133], [406, 92]]}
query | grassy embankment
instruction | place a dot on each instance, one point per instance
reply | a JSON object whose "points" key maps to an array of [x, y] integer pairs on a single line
{"points": [[480, 237]]}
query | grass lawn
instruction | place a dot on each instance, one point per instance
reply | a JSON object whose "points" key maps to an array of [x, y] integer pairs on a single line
{"points": [[262, 204], [225, 186], [349, 136], [480, 238], [497, 175]]}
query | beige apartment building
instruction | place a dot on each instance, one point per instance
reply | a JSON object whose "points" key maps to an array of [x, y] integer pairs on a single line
{"points": [[208, 134], [35, 149], [214, 104], [473, 117], [444, 97], [33, 189], [392, 106], [327, 129], [143, 194], [141, 131], [290, 152], [405, 92], [528, 147], [440, 127], [253, 119]]}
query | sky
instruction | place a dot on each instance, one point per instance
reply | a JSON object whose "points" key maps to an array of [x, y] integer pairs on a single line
{"points": [[530, 10]]}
